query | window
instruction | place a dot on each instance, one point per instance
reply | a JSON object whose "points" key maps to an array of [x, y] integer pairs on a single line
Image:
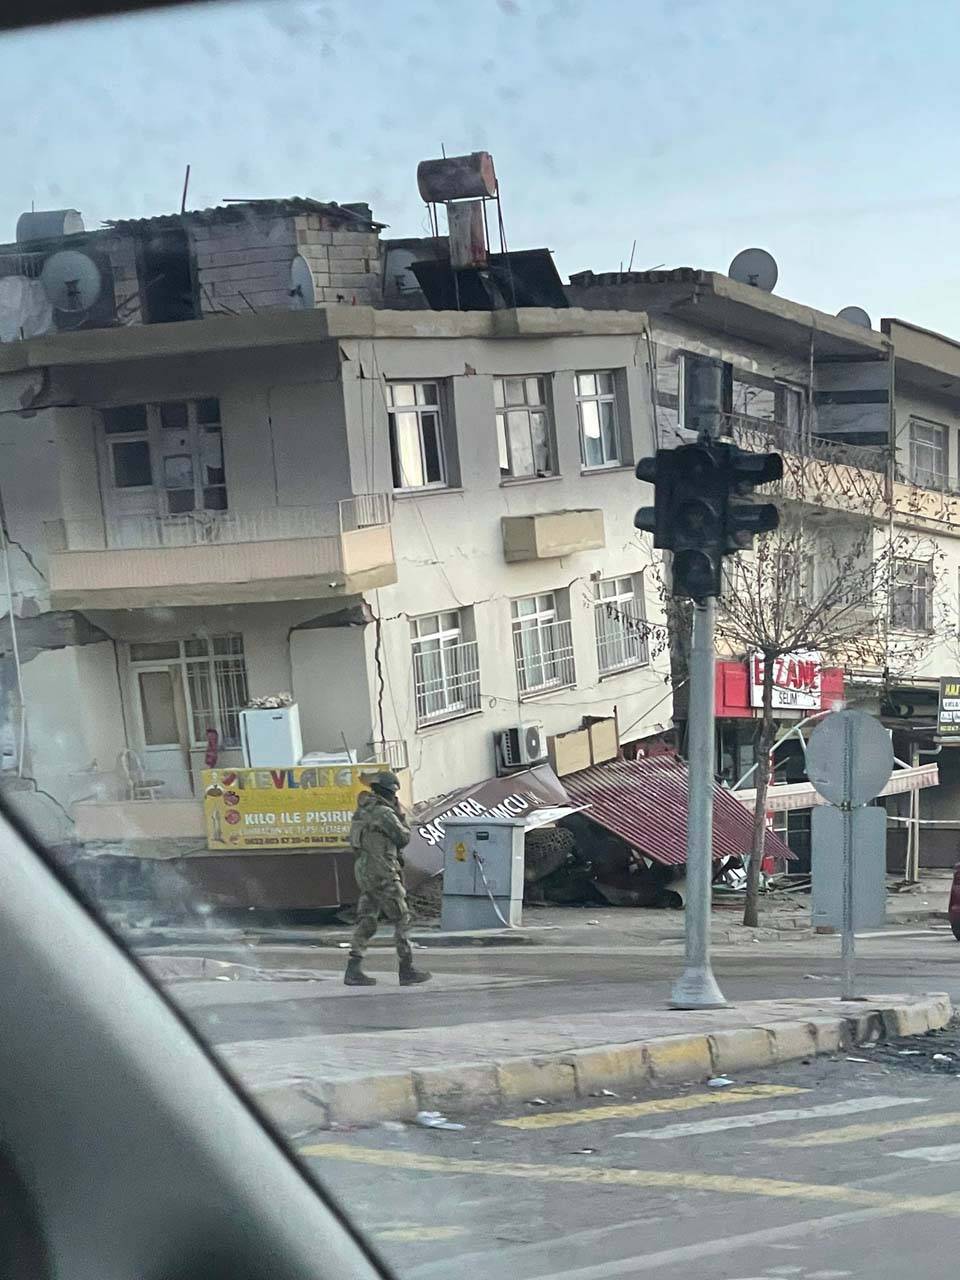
{"points": [[176, 446], [128, 445], [928, 454], [131, 464], [597, 415], [446, 668], [211, 676], [523, 428], [416, 435], [542, 645], [620, 624], [911, 604]]}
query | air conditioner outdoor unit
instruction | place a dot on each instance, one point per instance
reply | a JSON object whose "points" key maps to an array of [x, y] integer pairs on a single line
{"points": [[521, 745]]}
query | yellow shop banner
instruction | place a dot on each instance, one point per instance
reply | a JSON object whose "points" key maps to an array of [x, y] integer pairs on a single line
{"points": [[306, 808]]}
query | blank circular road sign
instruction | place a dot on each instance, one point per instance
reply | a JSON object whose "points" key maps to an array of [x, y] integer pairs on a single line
{"points": [[849, 757]]}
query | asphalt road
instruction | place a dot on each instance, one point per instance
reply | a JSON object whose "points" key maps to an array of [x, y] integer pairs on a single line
{"points": [[540, 981], [845, 1167]]}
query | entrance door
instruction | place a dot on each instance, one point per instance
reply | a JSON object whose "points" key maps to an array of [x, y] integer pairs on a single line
{"points": [[163, 719]]}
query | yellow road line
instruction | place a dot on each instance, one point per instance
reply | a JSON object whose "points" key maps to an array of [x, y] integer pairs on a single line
{"points": [[862, 1132], [722, 1183], [655, 1107]]}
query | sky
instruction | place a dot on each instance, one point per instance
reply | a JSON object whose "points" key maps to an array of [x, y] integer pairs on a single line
{"points": [[825, 131]]}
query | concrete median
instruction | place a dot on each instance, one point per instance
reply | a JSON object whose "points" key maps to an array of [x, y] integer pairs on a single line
{"points": [[465, 1069]]}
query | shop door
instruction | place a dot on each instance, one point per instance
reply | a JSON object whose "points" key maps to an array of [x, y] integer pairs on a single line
{"points": [[163, 720]]}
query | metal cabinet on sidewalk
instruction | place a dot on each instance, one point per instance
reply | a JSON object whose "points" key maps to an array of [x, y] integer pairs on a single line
{"points": [[482, 874]]}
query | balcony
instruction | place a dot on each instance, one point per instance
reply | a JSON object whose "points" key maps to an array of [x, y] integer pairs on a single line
{"points": [[221, 557], [544, 658], [816, 470], [550, 534]]}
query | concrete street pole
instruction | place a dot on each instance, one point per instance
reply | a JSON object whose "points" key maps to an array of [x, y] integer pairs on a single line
{"points": [[697, 988]]}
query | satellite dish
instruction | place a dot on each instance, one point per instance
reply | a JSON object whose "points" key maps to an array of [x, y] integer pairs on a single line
{"points": [[303, 291], [72, 280], [755, 267], [25, 309], [855, 315]]}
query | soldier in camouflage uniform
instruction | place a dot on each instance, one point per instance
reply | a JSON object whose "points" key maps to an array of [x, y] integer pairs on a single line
{"points": [[378, 834]]}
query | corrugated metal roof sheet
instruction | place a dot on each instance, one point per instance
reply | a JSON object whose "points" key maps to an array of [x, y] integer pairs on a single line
{"points": [[644, 802], [239, 210]]}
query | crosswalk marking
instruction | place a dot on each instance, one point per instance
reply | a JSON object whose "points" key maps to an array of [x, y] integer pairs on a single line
{"points": [[652, 1107], [722, 1183], [754, 1119], [947, 1154], [863, 1132]]}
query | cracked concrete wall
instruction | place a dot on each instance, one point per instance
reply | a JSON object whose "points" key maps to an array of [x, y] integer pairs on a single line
{"points": [[449, 546]]}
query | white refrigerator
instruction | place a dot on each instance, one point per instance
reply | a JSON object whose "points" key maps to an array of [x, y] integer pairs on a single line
{"points": [[270, 737]]}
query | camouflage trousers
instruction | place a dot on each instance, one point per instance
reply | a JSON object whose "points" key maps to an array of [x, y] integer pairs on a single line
{"points": [[387, 898]]}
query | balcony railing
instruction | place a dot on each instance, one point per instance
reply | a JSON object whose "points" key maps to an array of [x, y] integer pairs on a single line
{"points": [[622, 638], [446, 681], [815, 468], [217, 528], [544, 657]]}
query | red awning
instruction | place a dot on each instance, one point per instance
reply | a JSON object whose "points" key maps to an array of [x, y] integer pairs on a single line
{"points": [[644, 802]]}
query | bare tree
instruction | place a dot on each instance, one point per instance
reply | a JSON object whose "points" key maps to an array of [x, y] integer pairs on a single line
{"points": [[827, 583]]}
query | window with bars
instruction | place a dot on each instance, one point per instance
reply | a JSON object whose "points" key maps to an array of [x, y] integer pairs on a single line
{"points": [[446, 668], [928, 454], [415, 423], [911, 602], [210, 673], [598, 418], [620, 622], [524, 433], [542, 644]]}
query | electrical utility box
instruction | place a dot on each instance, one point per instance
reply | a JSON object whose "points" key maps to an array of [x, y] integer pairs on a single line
{"points": [[482, 874]]}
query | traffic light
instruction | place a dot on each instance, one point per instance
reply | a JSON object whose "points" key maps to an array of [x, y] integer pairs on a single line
{"points": [[693, 516], [746, 519]]}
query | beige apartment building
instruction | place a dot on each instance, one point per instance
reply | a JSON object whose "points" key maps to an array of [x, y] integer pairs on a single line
{"points": [[418, 523], [867, 423]]}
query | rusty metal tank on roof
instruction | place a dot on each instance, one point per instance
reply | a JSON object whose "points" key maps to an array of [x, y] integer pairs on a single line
{"points": [[457, 178], [48, 224]]}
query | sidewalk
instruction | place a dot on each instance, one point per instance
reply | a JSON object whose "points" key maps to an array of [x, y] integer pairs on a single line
{"points": [[314, 1081], [783, 917]]}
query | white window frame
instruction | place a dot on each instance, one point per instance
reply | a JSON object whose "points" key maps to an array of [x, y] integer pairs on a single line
{"points": [[528, 406], [136, 436], [620, 624], [600, 399], [926, 476], [220, 667], [552, 652], [157, 436], [457, 659], [423, 405], [916, 577]]}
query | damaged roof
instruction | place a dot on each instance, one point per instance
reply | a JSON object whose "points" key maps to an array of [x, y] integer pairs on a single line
{"points": [[239, 210]]}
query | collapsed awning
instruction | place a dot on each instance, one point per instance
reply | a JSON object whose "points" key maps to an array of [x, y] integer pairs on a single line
{"points": [[532, 798], [644, 802], [802, 795]]}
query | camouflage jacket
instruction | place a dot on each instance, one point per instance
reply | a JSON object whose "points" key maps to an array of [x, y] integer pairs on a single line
{"points": [[377, 834]]}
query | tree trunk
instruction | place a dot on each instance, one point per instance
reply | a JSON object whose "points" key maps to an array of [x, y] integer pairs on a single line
{"points": [[768, 732]]}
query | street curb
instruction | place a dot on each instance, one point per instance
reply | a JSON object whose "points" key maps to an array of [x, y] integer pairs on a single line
{"points": [[460, 1088]]}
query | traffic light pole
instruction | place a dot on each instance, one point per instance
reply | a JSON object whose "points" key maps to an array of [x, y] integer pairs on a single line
{"points": [[697, 988]]}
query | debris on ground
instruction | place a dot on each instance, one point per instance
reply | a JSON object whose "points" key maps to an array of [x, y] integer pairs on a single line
{"points": [[719, 1082], [537, 1102], [436, 1120]]}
